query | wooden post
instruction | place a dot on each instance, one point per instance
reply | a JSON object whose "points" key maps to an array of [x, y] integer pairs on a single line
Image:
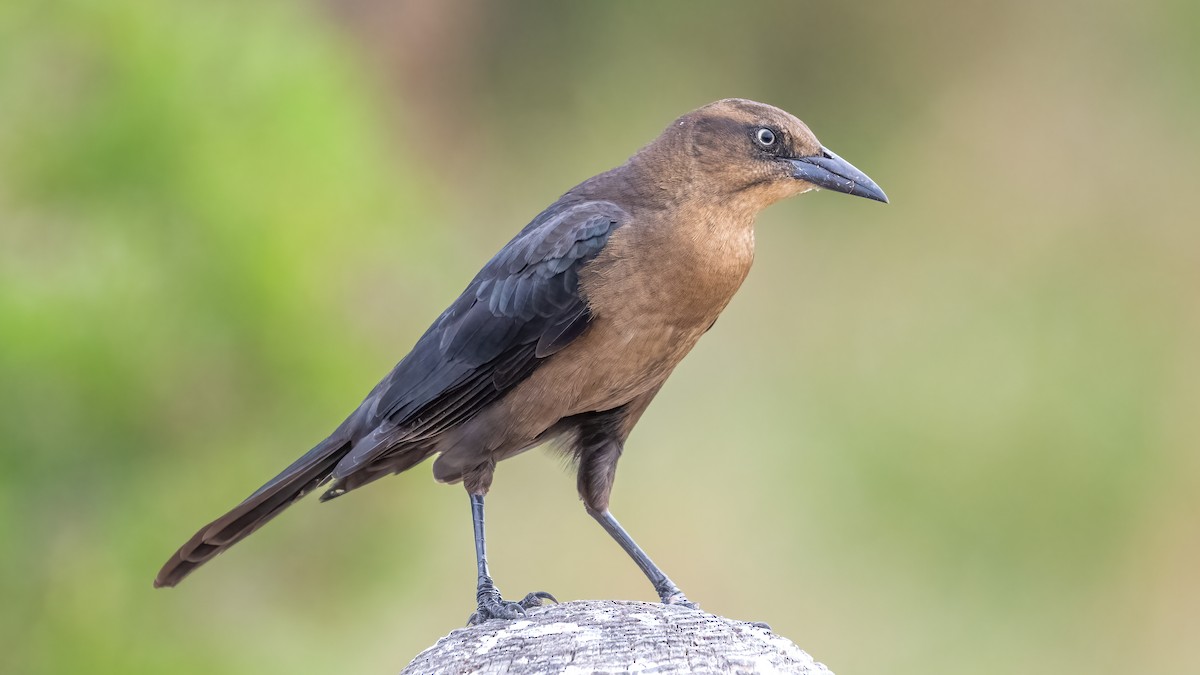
{"points": [[610, 637]]}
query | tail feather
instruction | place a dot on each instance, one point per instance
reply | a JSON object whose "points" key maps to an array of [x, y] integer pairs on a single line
{"points": [[411, 455], [310, 471]]}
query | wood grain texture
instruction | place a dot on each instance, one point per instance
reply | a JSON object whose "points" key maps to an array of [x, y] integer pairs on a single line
{"points": [[610, 637]]}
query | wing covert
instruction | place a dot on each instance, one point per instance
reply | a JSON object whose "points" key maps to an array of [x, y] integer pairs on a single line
{"points": [[523, 306]]}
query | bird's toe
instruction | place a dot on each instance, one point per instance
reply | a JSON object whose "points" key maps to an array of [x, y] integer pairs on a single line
{"points": [[492, 606], [502, 609], [678, 599], [535, 599]]}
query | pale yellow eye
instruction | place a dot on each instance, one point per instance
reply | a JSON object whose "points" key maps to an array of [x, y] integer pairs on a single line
{"points": [[765, 137]]}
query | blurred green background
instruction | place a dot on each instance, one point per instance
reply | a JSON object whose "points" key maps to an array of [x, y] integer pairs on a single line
{"points": [[957, 434]]}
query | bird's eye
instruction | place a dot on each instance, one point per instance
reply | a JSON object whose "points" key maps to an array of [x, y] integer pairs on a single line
{"points": [[765, 137]]}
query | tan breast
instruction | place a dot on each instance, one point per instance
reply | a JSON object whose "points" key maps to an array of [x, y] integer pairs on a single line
{"points": [[654, 290], [680, 273]]}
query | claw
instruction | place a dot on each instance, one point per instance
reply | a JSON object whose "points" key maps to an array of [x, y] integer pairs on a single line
{"points": [[535, 599], [492, 606]]}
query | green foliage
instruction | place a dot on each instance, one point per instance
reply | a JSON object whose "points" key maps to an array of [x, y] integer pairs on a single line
{"points": [[181, 185]]}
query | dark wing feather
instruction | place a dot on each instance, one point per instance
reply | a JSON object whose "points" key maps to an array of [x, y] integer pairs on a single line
{"points": [[522, 307]]}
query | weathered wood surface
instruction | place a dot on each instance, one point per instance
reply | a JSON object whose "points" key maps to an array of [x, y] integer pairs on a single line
{"points": [[610, 637]]}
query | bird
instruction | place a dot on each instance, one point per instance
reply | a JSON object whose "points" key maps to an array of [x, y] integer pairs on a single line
{"points": [[566, 335]]}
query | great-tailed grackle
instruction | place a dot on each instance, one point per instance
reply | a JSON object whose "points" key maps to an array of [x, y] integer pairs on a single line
{"points": [[569, 331]]}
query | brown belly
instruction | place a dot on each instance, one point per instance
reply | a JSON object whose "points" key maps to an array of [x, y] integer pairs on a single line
{"points": [[605, 368], [623, 361]]}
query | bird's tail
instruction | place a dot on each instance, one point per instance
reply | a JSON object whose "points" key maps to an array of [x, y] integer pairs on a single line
{"points": [[305, 474]]}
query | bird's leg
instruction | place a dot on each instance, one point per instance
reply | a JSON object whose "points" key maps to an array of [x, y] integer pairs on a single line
{"points": [[667, 591], [490, 605], [598, 445]]}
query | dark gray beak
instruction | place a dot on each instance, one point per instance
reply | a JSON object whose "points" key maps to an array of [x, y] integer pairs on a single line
{"points": [[830, 172]]}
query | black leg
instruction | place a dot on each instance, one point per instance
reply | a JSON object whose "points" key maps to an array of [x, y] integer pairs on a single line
{"points": [[489, 603], [667, 591], [484, 586]]}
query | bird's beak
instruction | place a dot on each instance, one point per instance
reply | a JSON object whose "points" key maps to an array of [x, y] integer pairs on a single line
{"points": [[831, 172]]}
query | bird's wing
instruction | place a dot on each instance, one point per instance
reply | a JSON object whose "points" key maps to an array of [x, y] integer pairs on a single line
{"points": [[523, 306]]}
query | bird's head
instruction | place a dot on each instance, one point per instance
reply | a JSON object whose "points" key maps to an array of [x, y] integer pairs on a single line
{"points": [[750, 151]]}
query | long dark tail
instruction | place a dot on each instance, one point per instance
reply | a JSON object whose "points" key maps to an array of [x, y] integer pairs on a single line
{"points": [[304, 475]]}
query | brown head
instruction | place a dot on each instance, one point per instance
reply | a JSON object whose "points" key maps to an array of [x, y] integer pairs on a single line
{"points": [[749, 152]]}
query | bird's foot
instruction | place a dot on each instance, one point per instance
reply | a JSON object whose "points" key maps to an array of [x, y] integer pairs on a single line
{"points": [[676, 597], [492, 606]]}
